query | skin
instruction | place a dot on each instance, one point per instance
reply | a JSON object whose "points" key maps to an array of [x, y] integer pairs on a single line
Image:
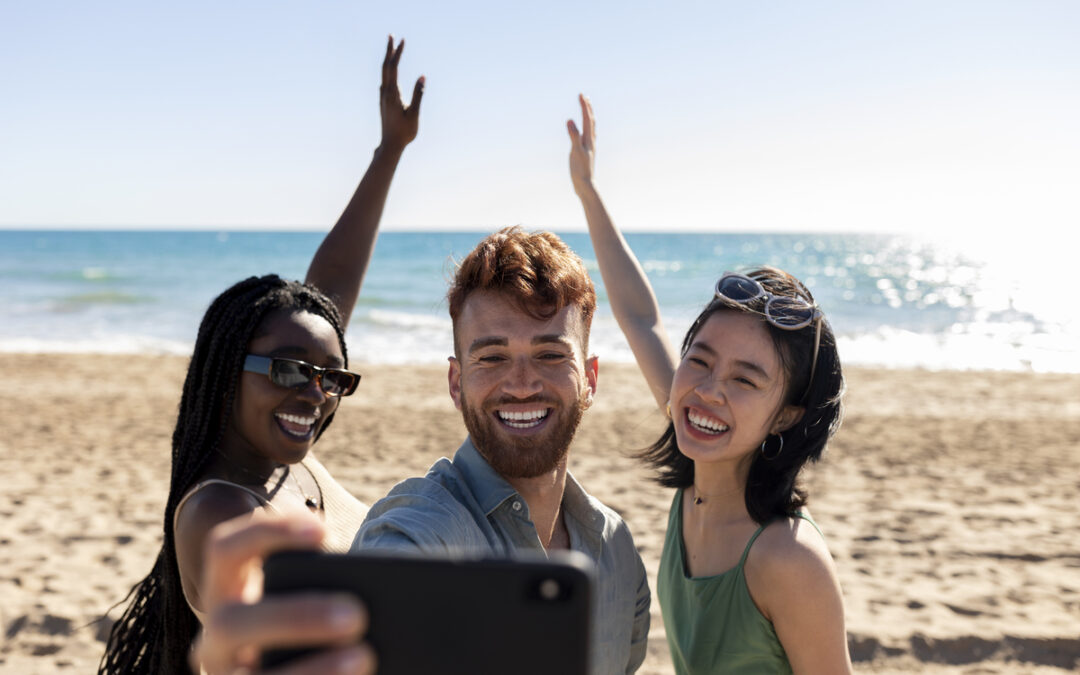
{"points": [[504, 353], [509, 363], [257, 441], [789, 571]]}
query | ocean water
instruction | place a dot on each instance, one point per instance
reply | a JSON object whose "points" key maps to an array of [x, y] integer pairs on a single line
{"points": [[893, 301]]}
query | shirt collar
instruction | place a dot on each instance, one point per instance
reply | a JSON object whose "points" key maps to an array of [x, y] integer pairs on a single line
{"points": [[490, 489], [487, 487]]}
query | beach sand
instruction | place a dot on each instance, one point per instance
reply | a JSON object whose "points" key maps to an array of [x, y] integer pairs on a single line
{"points": [[951, 501]]}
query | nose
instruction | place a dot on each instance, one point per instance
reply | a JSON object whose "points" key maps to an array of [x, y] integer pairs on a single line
{"points": [[522, 380], [313, 392], [711, 389]]}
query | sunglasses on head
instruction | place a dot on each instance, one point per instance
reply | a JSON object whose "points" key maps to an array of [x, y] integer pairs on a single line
{"points": [[783, 311], [294, 374]]}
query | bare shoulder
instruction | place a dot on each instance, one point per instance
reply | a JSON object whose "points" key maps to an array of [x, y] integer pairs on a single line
{"points": [[790, 560], [211, 504], [789, 542], [204, 509]]}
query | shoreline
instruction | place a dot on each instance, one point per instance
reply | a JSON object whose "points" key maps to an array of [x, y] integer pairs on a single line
{"points": [[948, 499]]}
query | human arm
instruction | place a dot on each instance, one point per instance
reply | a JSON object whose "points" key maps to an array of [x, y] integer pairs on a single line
{"points": [[342, 259], [203, 509], [240, 625], [419, 516], [792, 579], [629, 291]]}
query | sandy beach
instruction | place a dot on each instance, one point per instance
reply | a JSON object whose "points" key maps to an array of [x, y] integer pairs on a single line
{"points": [[951, 501]]}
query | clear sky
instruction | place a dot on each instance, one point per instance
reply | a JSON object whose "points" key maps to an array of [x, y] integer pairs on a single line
{"points": [[939, 116]]}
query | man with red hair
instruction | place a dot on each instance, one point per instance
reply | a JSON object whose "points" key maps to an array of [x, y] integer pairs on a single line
{"points": [[522, 305]]}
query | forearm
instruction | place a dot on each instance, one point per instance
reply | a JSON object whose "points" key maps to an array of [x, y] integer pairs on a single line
{"points": [[342, 259], [631, 296]]}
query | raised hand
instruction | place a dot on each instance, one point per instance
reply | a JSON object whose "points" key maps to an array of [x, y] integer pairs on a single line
{"points": [[400, 123], [582, 148]]}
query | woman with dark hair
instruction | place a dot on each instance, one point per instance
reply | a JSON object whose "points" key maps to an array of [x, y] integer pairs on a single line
{"points": [[746, 582], [265, 378]]}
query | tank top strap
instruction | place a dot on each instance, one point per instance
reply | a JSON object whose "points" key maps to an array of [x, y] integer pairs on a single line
{"points": [[800, 514], [217, 481], [746, 551], [797, 514]]}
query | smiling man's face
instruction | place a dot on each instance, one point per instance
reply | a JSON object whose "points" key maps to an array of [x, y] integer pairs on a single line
{"points": [[521, 383]]}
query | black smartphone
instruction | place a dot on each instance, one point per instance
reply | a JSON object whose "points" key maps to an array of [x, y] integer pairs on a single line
{"points": [[454, 616]]}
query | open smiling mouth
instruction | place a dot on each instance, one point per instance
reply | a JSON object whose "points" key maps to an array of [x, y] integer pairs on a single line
{"points": [[705, 424], [523, 420], [296, 426]]}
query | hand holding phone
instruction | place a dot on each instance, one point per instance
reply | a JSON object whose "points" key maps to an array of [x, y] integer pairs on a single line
{"points": [[454, 616]]}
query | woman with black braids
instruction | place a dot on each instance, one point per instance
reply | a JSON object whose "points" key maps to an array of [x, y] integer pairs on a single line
{"points": [[265, 378]]}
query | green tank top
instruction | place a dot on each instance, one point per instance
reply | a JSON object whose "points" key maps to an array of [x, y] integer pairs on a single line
{"points": [[712, 623]]}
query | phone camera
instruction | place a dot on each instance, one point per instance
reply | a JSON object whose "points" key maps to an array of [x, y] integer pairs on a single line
{"points": [[549, 589]]}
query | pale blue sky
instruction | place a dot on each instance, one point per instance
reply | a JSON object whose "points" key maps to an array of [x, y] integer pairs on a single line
{"points": [[870, 116]]}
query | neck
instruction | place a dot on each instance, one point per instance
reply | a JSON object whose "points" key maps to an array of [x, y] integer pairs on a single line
{"points": [[544, 494], [719, 489], [252, 466]]}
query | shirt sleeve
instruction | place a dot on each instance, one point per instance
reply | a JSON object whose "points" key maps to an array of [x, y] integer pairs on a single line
{"points": [[418, 516], [639, 639]]}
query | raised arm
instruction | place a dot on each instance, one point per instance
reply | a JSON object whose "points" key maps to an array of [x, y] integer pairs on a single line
{"points": [[632, 299], [339, 265]]}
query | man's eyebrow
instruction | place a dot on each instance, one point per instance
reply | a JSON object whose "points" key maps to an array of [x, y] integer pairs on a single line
{"points": [[492, 341], [749, 365]]}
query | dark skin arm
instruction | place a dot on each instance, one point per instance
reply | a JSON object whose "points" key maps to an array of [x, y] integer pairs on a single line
{"points": [[339, 265]]}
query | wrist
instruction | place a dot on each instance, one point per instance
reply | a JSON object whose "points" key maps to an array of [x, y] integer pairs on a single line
{"points": [[388, 152], [586, 190]]}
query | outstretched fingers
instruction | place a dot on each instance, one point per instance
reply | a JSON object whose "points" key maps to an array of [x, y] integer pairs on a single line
{"points": [[575, 135], [588, 123], [387, 63]]}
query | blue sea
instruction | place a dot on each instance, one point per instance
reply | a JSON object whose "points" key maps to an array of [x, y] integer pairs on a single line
{"points": [[893, 301]]}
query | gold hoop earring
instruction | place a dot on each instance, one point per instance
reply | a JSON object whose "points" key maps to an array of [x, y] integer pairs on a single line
{"points": [[667, 411]]}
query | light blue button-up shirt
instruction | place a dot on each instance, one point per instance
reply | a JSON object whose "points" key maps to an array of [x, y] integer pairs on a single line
{"points": [[464, 506]]}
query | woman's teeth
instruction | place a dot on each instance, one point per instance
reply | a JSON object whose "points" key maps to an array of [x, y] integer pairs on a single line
{"points": [[297, 425], [707, 424]]}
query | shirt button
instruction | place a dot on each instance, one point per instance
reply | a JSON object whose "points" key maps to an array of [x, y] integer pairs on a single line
{"points": [[516, 506]]}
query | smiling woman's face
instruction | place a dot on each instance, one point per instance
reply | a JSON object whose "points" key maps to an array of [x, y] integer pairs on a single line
{"points": [[276, 423], [727, 391]]}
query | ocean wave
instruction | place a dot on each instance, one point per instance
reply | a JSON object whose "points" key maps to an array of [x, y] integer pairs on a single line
{"points": [[73, 302], [110, 344], [89, 274]]}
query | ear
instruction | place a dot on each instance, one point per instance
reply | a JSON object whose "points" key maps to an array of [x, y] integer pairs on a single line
{"points": [[789, 416], [592, 374], [453, 378]]}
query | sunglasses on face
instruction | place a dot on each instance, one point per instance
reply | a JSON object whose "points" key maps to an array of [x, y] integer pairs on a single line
{"points": [[293, 374], [783, 311]]}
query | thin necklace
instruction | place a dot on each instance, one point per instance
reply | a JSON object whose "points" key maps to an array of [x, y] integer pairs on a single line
{"points": [[310, 500], [701, 499]]}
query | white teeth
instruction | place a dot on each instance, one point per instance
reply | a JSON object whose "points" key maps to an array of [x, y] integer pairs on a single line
{"points": [[297, 419], [706, 423], [523, 420]]}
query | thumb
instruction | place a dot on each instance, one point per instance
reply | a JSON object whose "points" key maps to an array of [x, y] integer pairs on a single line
{"points": [[417, 95]]}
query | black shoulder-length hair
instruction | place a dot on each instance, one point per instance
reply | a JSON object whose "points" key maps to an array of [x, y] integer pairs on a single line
{"points": [[771, 487], [155, 633]]}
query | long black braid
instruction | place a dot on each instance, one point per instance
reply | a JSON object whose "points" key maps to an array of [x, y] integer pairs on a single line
{"points": [[155, 633]]}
